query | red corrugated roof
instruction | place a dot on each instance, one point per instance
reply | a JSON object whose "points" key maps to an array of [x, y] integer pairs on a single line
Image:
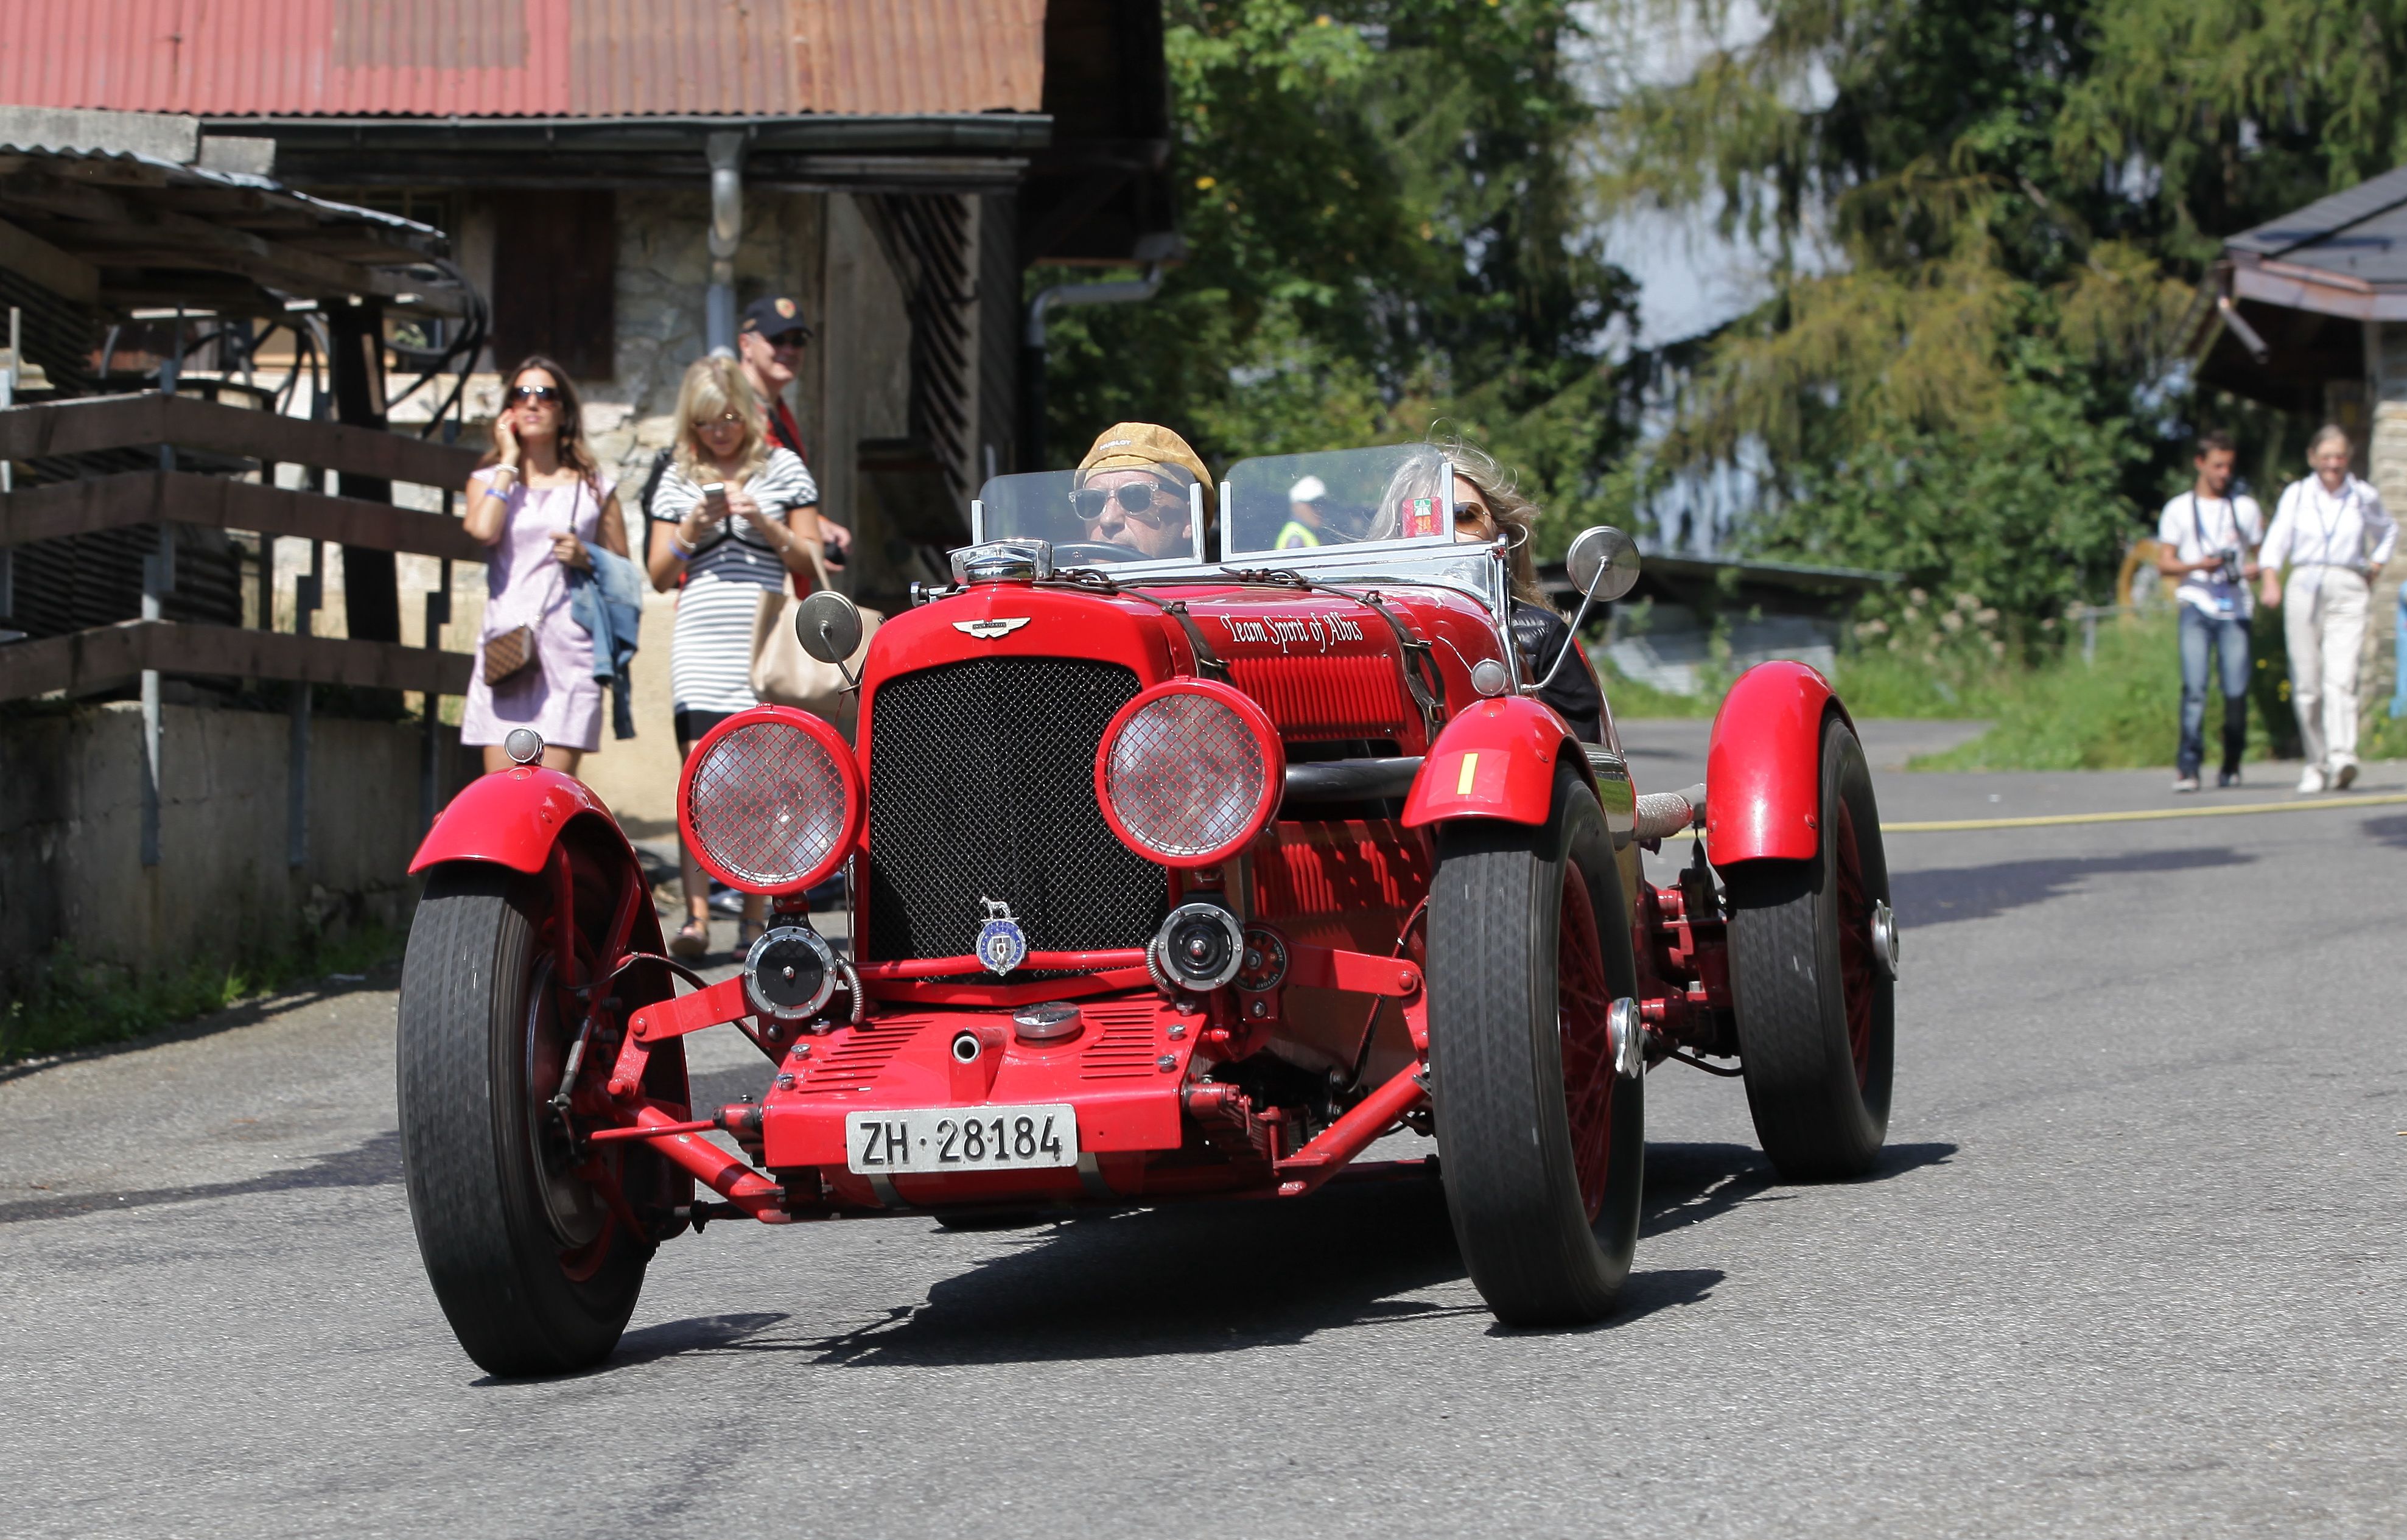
{"points": [[524, 58]]}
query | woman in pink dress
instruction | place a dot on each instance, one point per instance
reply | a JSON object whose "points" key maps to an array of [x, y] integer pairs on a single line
{"points": [[539, 500]]}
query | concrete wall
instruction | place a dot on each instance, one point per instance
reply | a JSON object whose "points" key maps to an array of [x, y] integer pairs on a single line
{"points": [[70, 831]]}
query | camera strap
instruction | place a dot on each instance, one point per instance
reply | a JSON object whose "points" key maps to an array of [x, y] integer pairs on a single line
{"points": [[2222, 590], [2196, 522]]}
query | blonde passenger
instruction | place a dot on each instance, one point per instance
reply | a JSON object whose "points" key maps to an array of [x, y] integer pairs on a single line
{"points": [[735, 517]]}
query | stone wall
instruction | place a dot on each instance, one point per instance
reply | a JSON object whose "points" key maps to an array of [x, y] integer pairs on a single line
{"points": [[2386, 468], [70, 834]]}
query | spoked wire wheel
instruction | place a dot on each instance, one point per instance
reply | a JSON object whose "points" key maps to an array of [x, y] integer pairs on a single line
{"points": [[1583, 1004], [1816, 1009], [536, 1242], [1542, 1145]]}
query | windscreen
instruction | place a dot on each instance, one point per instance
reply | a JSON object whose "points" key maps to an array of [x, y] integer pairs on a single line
{"points": [[1338, 497], [1110, 517]]}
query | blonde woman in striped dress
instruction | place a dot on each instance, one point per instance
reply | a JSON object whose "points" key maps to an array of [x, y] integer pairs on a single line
{"points": [[726, 553]]}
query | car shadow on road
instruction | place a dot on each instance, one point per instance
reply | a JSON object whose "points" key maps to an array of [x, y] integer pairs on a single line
{"points": [[1218, 1278], [1946, 895], [1688, 1184], [375, 1163]]}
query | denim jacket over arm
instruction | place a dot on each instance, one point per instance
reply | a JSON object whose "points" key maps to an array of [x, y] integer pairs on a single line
{"points": [[608, 602]]}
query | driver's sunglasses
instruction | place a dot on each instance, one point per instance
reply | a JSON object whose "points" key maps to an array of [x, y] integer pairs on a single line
{"points": [[522, 393], [1135, 499]]}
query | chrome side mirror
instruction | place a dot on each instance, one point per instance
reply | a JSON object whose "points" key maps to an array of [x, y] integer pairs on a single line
{"points": [[828, 625], [1603, 563]]}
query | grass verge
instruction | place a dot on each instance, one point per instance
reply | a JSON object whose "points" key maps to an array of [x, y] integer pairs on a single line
{"points": [[2121, 711], [84, 1004]]}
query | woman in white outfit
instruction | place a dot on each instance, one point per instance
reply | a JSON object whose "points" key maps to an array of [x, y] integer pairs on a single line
{"points": [[2333, 534]]}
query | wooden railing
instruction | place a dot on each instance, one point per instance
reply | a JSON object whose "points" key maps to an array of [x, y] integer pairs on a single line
{"points": [[105, 656], [50, 436]]}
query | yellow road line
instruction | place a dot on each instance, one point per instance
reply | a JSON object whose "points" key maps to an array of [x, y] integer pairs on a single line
{"points": [[1938, 826]]}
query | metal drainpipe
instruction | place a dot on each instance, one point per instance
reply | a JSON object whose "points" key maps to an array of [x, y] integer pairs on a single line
{"points": [[1032, 350], [726, 155]]}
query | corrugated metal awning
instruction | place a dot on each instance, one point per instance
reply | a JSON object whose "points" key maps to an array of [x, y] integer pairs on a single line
{"points": [[525, 58]]}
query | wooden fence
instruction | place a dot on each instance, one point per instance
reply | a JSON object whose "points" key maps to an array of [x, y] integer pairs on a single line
{"points": [[102, 656]]}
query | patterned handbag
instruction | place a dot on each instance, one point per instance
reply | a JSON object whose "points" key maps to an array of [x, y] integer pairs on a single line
{"points": [[509, 655]]}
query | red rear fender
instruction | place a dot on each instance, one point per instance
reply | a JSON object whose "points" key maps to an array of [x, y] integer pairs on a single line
{"points": [[1495, 760], [1763, 772]]}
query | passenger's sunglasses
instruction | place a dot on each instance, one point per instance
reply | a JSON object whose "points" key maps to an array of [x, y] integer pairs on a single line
{"points": [[1135, 499], [521, 394]]}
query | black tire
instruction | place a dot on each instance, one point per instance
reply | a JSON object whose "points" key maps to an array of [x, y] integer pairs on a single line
{"points": [[1816, 1015], [1516, 1061], [532, 1267]]}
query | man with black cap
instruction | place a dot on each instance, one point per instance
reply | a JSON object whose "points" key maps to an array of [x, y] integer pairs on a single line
{"points": [[769, 344]]}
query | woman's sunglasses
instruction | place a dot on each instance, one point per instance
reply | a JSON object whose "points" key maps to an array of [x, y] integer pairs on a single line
{"points": [[522, 393], [724, 419], [1135, 499]]}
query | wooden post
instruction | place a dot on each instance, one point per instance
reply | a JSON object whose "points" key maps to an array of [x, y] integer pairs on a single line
{"points": [[158, 581], [305, 595], [355, 370]]}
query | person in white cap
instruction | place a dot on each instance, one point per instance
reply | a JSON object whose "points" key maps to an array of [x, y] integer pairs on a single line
{"points": [[2332, 532], [1302, 530]]}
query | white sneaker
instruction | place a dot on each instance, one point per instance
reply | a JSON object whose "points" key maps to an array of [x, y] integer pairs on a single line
{"points": [[2344, 774], [2311, 778], [2185, 783]]}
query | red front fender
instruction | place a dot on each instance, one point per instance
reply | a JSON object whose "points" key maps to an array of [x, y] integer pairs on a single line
{"points": [[514, 817], [1495, 760], [1763, 772]]}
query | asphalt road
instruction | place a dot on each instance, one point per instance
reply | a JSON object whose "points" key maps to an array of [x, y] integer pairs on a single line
{"points": [[2133, 1266]]}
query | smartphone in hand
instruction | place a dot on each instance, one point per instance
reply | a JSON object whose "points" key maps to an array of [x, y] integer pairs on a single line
{"points": [[714, 500]]}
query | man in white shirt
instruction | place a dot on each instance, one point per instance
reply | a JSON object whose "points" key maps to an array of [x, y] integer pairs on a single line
{"points": [[2204, 537], [2333, 534]]}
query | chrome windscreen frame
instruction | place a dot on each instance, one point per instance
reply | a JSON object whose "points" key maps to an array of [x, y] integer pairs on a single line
{"points": [[1167, 567]]}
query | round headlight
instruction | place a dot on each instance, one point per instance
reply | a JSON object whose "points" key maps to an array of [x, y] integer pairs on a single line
{"points": [[1189, 772], [770, 799]]}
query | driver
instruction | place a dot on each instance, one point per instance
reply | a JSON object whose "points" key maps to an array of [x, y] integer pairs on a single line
{"points": [[1132, 492]]}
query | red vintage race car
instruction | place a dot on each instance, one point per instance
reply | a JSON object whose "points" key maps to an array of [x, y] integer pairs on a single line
{"points": [[1170, 878]]}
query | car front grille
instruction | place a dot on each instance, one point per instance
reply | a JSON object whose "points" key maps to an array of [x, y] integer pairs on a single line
{"points": [[982, 786]]}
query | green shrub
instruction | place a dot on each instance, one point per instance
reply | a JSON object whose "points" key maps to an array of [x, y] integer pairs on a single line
{"points": [[1629, 698], [2120, 712], [84, 1004]]}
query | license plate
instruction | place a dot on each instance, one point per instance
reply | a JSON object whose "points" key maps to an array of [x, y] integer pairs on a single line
{"points": [[989, 1138]]}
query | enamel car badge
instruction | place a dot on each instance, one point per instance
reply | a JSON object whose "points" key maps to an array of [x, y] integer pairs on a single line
{"points": [[986, 631], [1001, 946]]}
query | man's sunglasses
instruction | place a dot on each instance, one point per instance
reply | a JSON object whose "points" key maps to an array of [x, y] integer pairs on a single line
{"points": [[1135, 499], [536, 392]]}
